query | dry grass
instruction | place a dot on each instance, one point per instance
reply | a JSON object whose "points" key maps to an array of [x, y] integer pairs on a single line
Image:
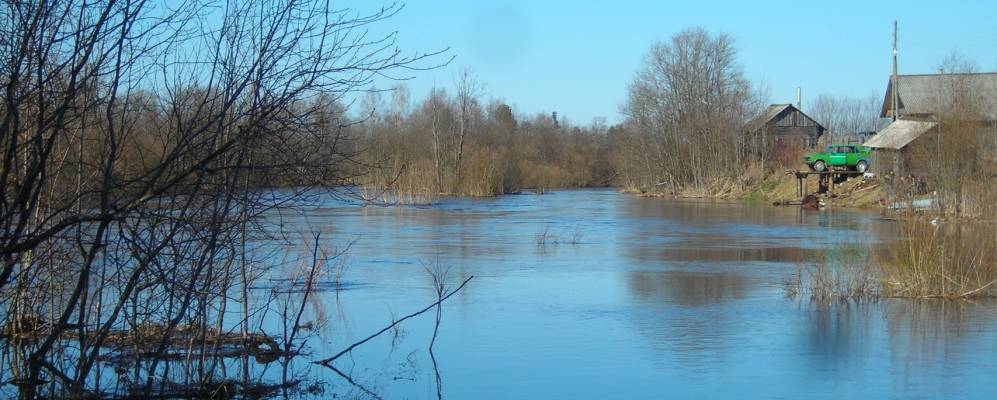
{"points": [[483, 175], [928, 261], [944, 261], [844, 273]]}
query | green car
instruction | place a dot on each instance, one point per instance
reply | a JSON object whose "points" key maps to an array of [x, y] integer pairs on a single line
{"points": [[850, 156]]}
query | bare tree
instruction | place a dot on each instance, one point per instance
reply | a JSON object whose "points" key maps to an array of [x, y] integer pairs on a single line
{"points": [[685, 108], [845, 117], [492, 150], [140, 140], [440, 123], [468, 89]]}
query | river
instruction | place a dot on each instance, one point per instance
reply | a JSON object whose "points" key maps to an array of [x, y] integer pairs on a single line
{"points": [[627, 298]]}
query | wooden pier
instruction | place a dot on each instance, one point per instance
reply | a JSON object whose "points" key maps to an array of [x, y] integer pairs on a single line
{"points": [[825, 180]]}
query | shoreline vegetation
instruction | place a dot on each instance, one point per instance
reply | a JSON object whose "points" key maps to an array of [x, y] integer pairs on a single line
{"points": [[928, 260], [139, 142]]}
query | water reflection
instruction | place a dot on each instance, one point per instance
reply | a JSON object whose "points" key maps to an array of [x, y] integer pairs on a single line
{"points": [[722, 254], [686, 288], [836, 336], [938, 330], [658, 297]]}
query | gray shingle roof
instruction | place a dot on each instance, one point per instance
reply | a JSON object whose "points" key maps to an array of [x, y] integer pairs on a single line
{"points": [[925, 94], [758, 122], [898, 134]]}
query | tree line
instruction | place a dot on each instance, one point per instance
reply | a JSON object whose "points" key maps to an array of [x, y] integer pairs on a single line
{"points": [[455, 142]]}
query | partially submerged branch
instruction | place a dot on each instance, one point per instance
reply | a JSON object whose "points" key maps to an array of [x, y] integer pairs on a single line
{"points": [[327, 361]]}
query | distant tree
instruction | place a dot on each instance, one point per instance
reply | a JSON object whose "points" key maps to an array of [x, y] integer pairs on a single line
{"points": [[500, 114], [468, 89], [399, 106], [685, 108], [436, 109], [844, 117]]}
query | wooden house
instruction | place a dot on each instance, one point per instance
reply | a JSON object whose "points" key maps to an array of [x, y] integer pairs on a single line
{"points": [[920, 100], [785, 124]]}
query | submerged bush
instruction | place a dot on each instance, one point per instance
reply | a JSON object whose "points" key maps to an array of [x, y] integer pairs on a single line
{"points": [[927, 261], [843, 273]]}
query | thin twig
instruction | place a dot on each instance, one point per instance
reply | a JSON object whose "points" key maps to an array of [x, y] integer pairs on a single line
{"points": [[326, 361]]}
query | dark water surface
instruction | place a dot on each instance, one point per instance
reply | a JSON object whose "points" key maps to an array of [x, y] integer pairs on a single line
{"points": [[629, 298]]}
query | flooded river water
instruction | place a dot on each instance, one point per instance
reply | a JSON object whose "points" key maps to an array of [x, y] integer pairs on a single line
{"points": [[627, 298]]}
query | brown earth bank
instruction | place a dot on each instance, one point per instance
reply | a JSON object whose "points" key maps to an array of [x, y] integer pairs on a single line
{"points": [[853, 192], [781, 188]]}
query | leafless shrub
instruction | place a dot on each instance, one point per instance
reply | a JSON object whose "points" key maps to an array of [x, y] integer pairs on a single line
{"points": [[142, 142], [545, 237], [844, 273], [576, 238], [440, 276]]}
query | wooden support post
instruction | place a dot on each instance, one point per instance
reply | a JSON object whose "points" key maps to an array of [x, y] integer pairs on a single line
{"points": [[830, 184]]}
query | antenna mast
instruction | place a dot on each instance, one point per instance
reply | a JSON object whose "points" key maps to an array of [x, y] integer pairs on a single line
{"points": [[895, 98]]}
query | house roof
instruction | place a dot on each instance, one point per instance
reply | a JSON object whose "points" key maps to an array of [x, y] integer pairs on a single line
{"points": [[898, 134], [758, 122], [922, 94]]}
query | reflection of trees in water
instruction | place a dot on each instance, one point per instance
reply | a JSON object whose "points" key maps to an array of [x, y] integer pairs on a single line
{"points": [[687, 218], [699, 335], [713, 232], [698, 213], [924, 337], [837, 335], [720, 254], [687, 288], [465, 233], [936, 330]]}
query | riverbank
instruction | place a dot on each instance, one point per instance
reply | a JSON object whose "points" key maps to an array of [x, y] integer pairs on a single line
{"points": [[781, 188], [854, 192]]}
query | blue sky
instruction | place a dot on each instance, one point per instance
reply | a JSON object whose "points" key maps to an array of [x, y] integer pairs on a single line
{"points": [[577, 57]]}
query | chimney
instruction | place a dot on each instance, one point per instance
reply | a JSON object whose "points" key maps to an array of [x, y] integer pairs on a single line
{"points": [[799, 98]]}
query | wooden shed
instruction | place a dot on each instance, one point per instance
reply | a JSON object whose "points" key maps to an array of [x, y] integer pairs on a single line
{"points": [[889, 144], [782, 123]]}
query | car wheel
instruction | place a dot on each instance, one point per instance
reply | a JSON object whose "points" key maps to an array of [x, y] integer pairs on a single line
{"points": [[819, 166], [862, 166]]}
